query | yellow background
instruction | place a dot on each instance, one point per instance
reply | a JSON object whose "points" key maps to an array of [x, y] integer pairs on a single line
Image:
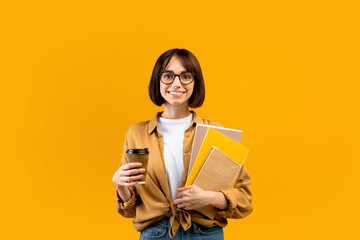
{"points": [[74, 77]]}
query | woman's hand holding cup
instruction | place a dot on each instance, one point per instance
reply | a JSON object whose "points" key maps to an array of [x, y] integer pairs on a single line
{"points": [[132, 173], [128, 174]]}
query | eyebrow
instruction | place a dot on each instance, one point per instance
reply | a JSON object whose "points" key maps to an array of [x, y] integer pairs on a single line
{"points": [[173, 71]]}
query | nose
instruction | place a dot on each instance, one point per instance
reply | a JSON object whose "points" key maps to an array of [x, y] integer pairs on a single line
{"points": [[176, 82]]}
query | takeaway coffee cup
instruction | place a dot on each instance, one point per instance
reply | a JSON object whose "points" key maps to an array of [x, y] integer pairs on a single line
{"points": [[139, 155]]}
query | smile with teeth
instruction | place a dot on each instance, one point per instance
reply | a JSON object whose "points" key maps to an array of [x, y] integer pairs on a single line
{"points": [[176, 93]]}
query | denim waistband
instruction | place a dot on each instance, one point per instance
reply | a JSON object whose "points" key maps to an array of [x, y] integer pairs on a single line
{"points": [[165, 223]]}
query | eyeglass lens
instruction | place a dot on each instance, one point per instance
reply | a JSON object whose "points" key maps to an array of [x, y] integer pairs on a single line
{"points": [[168, 77]]}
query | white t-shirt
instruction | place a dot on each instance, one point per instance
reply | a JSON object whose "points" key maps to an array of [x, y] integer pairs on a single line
{"points": [[173, 133]]}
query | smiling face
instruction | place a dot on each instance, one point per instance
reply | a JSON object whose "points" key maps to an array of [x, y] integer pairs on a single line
{"points": [[176, 94]]}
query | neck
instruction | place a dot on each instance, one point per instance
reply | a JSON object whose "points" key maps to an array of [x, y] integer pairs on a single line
{"points": [[175, 112]]}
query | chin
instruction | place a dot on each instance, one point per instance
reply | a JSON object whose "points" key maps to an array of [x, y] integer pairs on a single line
{"points": [[177, 103]]}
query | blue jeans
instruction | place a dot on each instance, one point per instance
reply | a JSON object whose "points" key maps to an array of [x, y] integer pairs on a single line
{"points": [[160, 230]]}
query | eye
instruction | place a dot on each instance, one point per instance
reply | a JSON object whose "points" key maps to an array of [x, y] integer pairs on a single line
{"points": [[186, 76], [167, 76]]}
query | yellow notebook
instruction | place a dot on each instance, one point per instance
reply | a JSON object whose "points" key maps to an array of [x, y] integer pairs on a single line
{"points": [[231, 148]]}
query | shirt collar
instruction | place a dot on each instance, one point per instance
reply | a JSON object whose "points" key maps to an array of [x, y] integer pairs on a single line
{"points": [[154, 121]]}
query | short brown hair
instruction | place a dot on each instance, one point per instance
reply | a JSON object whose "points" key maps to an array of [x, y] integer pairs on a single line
{"points": [[191, 64]]}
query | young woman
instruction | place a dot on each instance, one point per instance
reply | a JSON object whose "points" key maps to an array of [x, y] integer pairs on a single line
{"points": [[163, 208]]}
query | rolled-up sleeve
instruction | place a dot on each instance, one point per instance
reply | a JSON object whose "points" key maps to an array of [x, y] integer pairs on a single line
{"points": [[126, 209], [239, 198]]}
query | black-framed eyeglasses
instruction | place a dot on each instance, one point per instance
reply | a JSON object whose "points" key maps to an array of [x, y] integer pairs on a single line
{"points": [[168, 77]]}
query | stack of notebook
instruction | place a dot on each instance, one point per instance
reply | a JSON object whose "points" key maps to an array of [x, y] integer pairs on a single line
{"points": [[216, 160]]}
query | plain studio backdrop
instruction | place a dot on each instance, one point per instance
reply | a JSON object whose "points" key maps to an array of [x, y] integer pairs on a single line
{"points": [[74, 77]]}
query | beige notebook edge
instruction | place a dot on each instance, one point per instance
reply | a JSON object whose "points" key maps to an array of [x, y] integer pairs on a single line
{"points": [[202, 165]]}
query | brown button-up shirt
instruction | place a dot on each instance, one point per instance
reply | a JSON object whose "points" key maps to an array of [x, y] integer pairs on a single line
{"points": [[152, 201]]}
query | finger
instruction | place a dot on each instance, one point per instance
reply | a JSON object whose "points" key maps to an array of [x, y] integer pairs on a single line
{"points": [[131, 165], [134, 178], [181, 205], [132, 172], [177, 201], [124, 182], [179, 195], [184, 188]]}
